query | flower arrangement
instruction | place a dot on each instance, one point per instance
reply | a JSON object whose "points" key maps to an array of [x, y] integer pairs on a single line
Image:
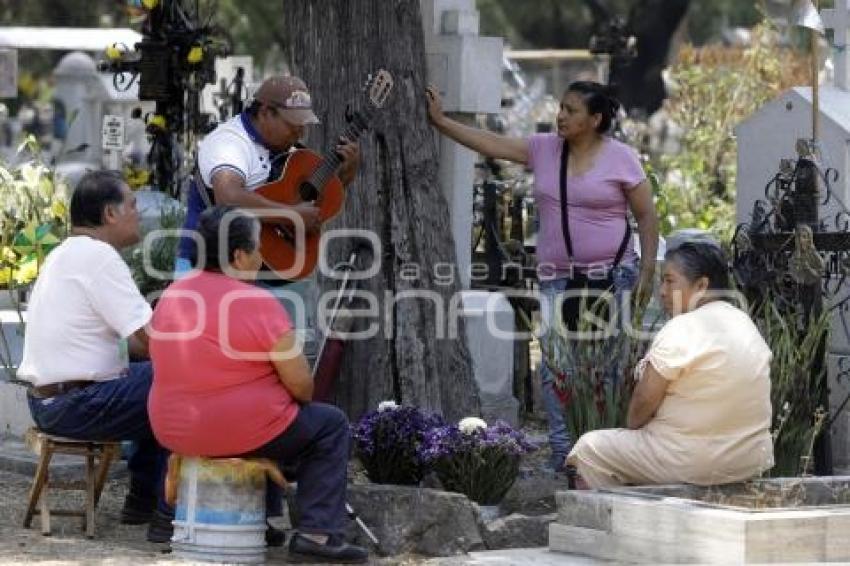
{"points": [[477, 460], [33, 216], [388, 440]]}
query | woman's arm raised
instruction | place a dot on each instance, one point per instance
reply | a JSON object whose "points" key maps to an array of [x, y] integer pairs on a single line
{"points": [[486, 143]]}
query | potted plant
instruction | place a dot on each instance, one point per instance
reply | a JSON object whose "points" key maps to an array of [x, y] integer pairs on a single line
{"points": [[475, 459], [388, 441]]}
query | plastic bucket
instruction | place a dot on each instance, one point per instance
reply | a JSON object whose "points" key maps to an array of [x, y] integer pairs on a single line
{"points": [[220, 514]]}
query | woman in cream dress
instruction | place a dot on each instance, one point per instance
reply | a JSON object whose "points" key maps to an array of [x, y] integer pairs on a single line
{"points": [[700, 412]]}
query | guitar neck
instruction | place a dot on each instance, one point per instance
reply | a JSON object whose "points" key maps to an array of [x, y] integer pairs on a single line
{"points": [[331, 159]]}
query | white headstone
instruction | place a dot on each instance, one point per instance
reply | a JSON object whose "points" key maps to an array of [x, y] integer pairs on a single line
{"points": [[838, 20], [88, 96], [467, 69]]}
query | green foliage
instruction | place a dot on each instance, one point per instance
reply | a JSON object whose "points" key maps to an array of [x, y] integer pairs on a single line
{"points": [[155, 256], [484, 474], [798, 377], [56, 13], [568, 23], [593, 375], [716, 88], [705, 19]]}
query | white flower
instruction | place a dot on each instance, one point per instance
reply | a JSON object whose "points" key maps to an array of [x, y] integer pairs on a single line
{"points": [[471, 424], [387, 406]]}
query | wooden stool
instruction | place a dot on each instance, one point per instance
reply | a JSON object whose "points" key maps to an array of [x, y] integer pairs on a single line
{"points": [[46, 445]]}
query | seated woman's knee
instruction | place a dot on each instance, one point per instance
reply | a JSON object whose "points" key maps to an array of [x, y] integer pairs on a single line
{"points": [[331, 415]]}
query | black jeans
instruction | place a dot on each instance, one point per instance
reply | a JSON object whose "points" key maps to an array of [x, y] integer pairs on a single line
{"points": [[317, 443], [111, 410]]}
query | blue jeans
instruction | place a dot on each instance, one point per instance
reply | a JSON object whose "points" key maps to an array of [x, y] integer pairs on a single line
{"points": [[111, 410], [317, 442], [625, 277]]}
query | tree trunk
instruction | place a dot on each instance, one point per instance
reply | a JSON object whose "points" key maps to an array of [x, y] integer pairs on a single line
{"points": [[654, 23], [333, 45]]}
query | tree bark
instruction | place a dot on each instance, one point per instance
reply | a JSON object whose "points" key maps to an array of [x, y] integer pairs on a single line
{"points": [[333, 45]]}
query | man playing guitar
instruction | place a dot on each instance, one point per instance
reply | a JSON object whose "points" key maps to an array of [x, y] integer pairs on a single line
{"points": [[250, 150]]}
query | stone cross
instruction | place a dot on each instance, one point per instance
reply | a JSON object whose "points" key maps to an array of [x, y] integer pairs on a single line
{"points": [[838, 20]]}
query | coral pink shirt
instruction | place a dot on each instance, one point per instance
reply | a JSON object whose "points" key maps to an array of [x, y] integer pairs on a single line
{"points": [[215, 391], [596, 199]]}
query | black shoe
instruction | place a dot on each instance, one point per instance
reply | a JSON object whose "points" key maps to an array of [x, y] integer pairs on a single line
{"points": [[137, 510], [334, 550], [274, 537], [160, 528]]}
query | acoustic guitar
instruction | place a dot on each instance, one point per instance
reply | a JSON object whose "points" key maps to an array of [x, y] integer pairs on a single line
{"points": [[309, 177]]}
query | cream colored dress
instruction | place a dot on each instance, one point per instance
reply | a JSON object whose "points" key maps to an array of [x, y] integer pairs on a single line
{"points": [[712, 427]]}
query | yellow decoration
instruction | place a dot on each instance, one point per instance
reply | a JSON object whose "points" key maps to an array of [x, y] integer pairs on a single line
{"points": [[58, 209], [136, 177], [113, 53], [157, 121], [27, 271], [150, 4], [7, 255], [196, 55]]}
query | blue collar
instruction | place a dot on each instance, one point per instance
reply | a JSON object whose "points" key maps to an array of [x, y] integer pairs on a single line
{"points": [[251, 130]]}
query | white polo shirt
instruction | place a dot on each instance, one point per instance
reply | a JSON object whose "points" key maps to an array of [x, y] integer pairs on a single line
{"points": [[83, 304], [235, 146]]}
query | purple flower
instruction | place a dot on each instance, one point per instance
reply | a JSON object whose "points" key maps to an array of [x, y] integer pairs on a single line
{"points": [[483, 464], [388, 443]]}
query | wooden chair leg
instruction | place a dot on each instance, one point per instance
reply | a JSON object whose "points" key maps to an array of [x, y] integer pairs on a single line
{"points": [[106, 458], [44, 508], [91, 481], [38, 483]]}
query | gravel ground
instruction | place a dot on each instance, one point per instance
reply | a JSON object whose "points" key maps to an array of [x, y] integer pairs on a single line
{"points": [[114, 543], [117, 544]]}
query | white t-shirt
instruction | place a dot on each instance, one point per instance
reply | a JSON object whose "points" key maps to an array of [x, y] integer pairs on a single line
{"points": [[83, 304]]}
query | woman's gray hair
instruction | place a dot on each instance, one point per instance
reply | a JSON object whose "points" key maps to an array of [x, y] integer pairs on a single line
{"points": [[698, 259]]}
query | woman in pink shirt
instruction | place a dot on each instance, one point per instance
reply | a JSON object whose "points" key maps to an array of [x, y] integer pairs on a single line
{"points": [[585, 183], [230, 380]]}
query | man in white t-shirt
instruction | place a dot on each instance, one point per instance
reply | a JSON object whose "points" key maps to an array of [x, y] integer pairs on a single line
{"points": [[250, 150], [85, 318]]}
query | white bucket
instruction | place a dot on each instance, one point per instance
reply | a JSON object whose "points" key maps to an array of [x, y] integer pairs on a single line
{"points": [[220, 514]]}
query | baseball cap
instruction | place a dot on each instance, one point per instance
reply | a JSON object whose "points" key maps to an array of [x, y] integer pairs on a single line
{"points": [[290, 96]]}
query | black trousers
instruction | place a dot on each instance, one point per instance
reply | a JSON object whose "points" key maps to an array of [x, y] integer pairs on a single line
{"points": [[317, 443]]}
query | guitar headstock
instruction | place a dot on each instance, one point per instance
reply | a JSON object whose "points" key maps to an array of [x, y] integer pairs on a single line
{"points": [[379, 87]]}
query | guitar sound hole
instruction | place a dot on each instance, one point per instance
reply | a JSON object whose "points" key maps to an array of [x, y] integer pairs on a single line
{"points": [[308, 192]]}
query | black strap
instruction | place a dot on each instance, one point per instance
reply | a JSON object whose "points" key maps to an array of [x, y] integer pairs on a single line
{"points": [[565, 217]]}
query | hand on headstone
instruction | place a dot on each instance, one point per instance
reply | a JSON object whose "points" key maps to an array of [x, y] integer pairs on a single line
{"points": [[435, 104]]}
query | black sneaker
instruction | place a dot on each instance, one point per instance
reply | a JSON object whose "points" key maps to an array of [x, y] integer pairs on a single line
{"points": [[160, 529], [274, 537], [137, 510], [302, 549]]}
